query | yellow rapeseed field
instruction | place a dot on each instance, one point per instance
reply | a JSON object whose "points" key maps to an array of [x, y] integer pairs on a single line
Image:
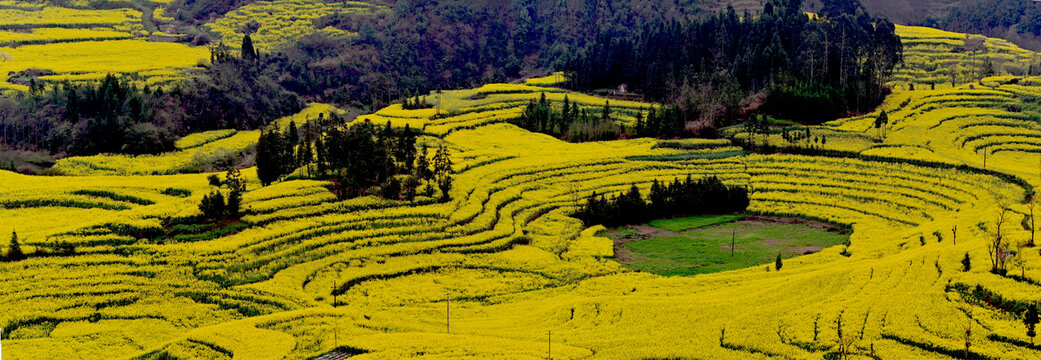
{"points": [[503, 272]]}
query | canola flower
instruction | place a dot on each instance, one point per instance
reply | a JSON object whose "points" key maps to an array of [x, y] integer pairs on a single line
{"points": [[310, 272]]}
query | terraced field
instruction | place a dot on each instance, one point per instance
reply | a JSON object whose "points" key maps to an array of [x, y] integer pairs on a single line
{"points": [[79, 44], [282, 22], [490, 273]]}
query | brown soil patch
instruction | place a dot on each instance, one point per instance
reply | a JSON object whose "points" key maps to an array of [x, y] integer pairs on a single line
{"points": [[647, 231], [623, 254], [790, 220], [727, 247], [805, 249]]}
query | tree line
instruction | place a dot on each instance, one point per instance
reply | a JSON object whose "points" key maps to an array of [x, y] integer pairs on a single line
{"points": [[576, 123], [688, 197], [809, 68], [361, 158], [426, 45], [1016, 20]]}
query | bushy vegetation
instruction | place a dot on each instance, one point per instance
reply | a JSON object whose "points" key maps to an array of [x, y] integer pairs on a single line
{"points": [[680, 198]]}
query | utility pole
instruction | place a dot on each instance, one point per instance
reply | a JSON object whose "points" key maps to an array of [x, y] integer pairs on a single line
{"points": [[438, 111], [984, 158], [549, 351], [733, 242], [448, 317], [955, 232]]}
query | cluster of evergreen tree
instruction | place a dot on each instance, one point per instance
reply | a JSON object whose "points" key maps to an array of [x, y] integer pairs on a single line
{"points": [[995, 18], [213, 205], [578, 124], [841, 58], [415, 103], [680, 198], [664, 122], [359, 157], [572, 122]]}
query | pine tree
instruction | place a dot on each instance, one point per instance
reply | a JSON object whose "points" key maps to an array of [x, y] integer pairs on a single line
{"points": [[233, 206], [14, 251], [270, 150], [320, 155], [1031, 320], [444, 182], [407, 147], [248, 52], [213, 206], [235, 180], [304, 154], [442, 162], [423, 164], [778, 262]]}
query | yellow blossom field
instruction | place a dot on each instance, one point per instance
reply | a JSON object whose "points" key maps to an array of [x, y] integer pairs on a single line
{"points": [[284, 21], [503, 270]]}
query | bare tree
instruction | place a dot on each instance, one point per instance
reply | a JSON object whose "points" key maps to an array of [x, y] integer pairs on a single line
{"points": [[1019, 261], [974, 44], [997, 247], [845, 342]]}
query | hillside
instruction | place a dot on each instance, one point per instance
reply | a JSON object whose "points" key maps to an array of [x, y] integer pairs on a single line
{"points": [[307, 274], [469, 236]]}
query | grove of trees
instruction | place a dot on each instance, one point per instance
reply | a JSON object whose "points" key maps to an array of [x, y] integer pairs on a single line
{"points": [[361, 158], [811, 68], [688, 197]]}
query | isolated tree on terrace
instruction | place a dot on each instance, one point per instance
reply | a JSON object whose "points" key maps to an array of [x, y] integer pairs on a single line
{"points": [[14, 251], [997, 247], [442, 172], [1031, 320], [778, 262], [880, 124]]}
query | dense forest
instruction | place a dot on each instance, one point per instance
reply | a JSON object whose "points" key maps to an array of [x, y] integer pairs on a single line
{"points": [[810, 69], [1016, 20]]}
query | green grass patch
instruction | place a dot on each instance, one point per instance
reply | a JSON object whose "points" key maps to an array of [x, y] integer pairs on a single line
{"points": [[702, 244], [694, 222]]}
